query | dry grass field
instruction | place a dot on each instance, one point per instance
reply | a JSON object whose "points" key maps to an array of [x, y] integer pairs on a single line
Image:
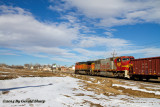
{"points": [[7, 73]]}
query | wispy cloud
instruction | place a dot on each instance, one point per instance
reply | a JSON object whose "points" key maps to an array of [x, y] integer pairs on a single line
{"points": [[117, 12], [8, 52], [94, 41], [147, 52], [23, 32]]}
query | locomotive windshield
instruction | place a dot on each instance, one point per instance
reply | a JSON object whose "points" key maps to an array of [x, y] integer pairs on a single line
{"points": [[119, 60], [125, 59]]}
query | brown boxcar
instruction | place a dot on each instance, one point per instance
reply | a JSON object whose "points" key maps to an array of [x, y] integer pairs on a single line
{"points": [[146, 68]]}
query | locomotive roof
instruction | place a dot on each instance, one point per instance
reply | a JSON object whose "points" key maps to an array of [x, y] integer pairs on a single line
{"points": [[85, 62], [81, 62]]}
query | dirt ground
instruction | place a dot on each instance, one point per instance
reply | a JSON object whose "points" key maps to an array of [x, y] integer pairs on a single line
{"points": [[114, 86], [100, 85]]}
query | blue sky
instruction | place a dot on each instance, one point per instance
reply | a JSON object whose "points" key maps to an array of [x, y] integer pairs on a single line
{"points": [[68, 31]]}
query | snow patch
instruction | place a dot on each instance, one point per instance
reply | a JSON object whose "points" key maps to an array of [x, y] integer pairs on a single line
{"points": [[62, 91], [136, 88]]}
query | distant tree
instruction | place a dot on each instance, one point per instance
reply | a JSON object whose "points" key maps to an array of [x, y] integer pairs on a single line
{"points": [[19, 67], [37, 66], [26, 66], [3, 65]]}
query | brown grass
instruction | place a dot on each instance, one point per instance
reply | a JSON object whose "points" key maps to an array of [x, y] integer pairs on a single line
{"points": [[5, 92], [14, 73]]}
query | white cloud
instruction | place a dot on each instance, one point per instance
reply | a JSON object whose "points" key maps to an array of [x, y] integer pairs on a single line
{"points": [[13, 10], [7, 52], [47, 50], [86, 52], [150, 52], [72, 20], [119, 12], [86, 55], [55, 8], [59, 6], [147, 52], [62, 59], [23, 32], [103, 41], [108, 34]]}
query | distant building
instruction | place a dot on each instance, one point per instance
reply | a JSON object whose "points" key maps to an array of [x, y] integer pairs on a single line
{"points": [[54, 66], [31, 67], [72, 68], [47, 69], [64, 68]]}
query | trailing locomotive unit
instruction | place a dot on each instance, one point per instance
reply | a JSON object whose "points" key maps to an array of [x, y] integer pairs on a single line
{"points": [[112, 67]]}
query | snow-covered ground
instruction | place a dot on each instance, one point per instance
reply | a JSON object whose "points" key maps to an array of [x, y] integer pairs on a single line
{"points": [[3, 72], [137, 88], [60, 92]]}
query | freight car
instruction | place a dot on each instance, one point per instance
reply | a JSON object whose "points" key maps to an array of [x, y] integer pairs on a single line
{"points": [[123, 66], [145, 68]]}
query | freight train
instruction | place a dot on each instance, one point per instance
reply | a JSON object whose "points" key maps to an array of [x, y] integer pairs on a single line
{"points": [[121, 67]]}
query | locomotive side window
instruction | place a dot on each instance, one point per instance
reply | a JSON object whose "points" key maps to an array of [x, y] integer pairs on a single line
{"points": [[119, 60]]}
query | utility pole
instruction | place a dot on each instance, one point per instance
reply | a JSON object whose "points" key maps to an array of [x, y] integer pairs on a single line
{"points": [[114, 53]]}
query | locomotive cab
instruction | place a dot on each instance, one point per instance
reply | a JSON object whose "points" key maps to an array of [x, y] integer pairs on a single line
{"points": [[123, 63]]}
